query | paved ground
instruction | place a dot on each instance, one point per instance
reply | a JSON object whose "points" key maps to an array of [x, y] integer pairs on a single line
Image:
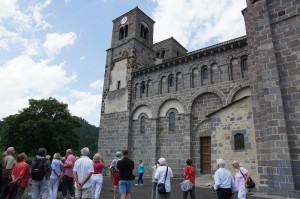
{"points": [[144, 192]]}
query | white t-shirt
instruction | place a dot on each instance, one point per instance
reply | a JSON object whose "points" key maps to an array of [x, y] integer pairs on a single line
{"points": [[83, 166], [160, 176]]}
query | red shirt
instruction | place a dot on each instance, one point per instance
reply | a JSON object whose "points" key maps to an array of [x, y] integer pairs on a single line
{"points": [[189, 174], [21, 170], [98, 167]]}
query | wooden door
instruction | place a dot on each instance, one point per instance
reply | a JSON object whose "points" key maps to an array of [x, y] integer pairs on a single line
{"points": [[205, 155]]}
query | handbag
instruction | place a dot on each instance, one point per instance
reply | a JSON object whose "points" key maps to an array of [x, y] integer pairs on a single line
{"points": [[250, 183], [161, 189], [186, 185]]}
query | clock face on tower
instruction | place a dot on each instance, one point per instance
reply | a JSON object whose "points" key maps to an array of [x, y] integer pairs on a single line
{"points": [[124, 20]]}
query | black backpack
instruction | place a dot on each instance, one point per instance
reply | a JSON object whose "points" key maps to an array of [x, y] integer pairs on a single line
{"points": [[38, 168]]}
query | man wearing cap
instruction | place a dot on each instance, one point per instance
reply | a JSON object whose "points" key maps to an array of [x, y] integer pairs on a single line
{"points": [[224, 183], [115, 172], [160, 177], [68, 179], [7, 165]]}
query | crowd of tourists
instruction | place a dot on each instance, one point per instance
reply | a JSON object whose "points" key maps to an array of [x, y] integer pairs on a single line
{"points": [[82, 177]]}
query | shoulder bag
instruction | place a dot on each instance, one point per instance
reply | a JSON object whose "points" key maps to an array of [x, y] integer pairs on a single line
{"points": [[250, 183], [161, 189]]}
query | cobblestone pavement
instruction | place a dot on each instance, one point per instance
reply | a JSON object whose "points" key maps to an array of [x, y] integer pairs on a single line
{"points": [[144, 192]]}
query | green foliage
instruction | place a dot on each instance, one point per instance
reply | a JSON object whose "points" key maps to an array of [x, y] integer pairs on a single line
{"points": [[88, 136], [45, 123]]}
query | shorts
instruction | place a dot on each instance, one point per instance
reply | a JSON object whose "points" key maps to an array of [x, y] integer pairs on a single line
{"points": [[116, 179], [83, 193], [124, 186]]}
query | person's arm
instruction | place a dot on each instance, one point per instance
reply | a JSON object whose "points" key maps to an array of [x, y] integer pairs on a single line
{"points": [[233, 186], [217, 181], [86, 178], [78, 184]]}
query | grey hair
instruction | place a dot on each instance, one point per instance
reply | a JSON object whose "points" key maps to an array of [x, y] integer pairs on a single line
{"points": [[56, 156], [236, 162], [221, 163], [10, 150], [85, 151]]}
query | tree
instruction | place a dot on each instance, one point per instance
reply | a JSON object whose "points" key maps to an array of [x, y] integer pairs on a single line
{"points": [[45, 123]]}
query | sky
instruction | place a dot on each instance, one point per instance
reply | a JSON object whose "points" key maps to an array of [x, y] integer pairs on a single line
{"points": [[57, 48]]}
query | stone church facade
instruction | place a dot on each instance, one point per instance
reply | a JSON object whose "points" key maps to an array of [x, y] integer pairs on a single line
{"points": [[236, 100]]}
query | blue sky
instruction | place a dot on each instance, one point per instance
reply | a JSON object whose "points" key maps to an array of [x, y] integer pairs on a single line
{"points": [[57, 48]]}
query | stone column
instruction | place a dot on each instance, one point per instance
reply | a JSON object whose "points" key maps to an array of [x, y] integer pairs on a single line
{"points": [[274, 163]]}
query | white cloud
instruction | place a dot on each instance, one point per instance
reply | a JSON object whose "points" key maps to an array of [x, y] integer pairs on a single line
{"points": [[82, 58], [97, 84], [7, 8], [196, 24], [55, 42], [85, 105], [38, 16], [24, 78]]}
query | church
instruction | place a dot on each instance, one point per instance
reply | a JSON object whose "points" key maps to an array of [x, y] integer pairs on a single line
{"points": [[236, 100]]}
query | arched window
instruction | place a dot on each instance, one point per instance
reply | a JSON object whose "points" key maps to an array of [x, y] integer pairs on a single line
{"points": [[205, 73], [144, 32], [143, 87], [163, 54], [171, 81], [244, 63], [142, 127], [121, 33], [157, 54], [126, 31], [136, 90], [239, 142], [172, 121]]}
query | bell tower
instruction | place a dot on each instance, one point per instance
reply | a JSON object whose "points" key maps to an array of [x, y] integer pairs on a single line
{"points": [[131, 49]]}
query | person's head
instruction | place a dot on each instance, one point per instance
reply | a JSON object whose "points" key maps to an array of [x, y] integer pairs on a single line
{"points": [[21, 157], [220, 163], [141, 161], [118, 154], [97, 157], [125, 152], [85, 151], [10, 151], [235, 164], [42, 152], [63, 160], [56, 156], [162, 161], [189, 162], [68, 152]]}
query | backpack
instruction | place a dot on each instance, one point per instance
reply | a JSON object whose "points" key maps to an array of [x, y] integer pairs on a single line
{"points": [[38, 169], [113, 167]]}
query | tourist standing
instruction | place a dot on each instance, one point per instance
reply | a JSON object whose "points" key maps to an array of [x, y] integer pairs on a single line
{"points": [[242, 176], [20, 175], [83, 170], [97, 178], [189, 174], [125, 167], [40, 171], [68, 178], [56, 175], [8, 163], [141, 173], [224, 183], [114, 172], [154, 194], [164, 175]]}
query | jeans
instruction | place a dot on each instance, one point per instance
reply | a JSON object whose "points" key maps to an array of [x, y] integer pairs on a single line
{"points": [[97, 180], [67, 183], [54, 182], [140, 179], [125, 186], [154, 194], [40, 189], [192, 193]]}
